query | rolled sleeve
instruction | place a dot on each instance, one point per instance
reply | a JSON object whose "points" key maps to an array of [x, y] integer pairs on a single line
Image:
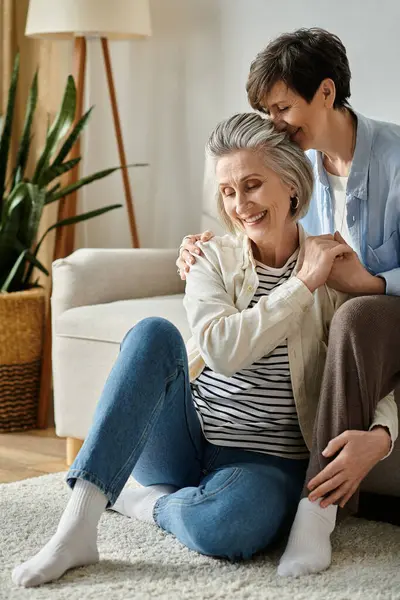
{"points": [[392, 279], [386, 415]]}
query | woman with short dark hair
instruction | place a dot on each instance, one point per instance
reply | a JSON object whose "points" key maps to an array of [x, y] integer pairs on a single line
{"points": [[301, 60], [302, 81]]}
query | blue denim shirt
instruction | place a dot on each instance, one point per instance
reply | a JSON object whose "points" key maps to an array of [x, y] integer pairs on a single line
{"points": [[372, 200]]}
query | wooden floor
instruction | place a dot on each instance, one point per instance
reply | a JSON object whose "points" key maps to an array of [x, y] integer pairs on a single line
{"points": [[30, 454]]}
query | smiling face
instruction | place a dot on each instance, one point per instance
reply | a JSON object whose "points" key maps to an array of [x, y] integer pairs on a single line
{"points": [[305, 122], [255, 198]]}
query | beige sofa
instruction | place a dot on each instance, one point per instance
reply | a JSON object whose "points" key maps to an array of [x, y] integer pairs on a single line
{"points": [[98, 295]]}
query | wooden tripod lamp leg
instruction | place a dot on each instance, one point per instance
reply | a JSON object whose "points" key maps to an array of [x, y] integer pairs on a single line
{"points": [[120, 144], [65, 236], [64, 241], [79, 74]]}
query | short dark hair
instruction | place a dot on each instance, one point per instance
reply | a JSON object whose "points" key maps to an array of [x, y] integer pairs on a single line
{"points": [[302, 60]]}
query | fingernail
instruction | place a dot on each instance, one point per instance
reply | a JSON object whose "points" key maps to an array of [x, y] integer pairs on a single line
{"points": [[197, 251]]}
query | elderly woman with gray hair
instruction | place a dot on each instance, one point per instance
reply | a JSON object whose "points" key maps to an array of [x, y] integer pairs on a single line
{"points": [[220, 434]]}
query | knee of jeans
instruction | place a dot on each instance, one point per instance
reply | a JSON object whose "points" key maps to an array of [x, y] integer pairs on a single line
{"points": [[235, 539], [217, 538], [237, 531], [154, 331]]}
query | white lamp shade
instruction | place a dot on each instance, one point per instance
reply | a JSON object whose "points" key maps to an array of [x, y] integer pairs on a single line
{"points": [[65, 19]]}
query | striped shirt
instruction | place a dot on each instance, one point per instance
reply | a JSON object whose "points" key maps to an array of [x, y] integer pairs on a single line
{"points": [[254, 409]]}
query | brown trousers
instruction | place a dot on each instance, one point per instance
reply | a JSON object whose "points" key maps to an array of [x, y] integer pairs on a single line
{"points": [[362, 367]]}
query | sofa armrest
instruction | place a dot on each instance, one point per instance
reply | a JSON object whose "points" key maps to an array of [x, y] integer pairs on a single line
{"points": [[98, 276]]}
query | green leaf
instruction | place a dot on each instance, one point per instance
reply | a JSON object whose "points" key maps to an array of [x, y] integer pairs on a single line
{"points": [[71, 139], [30, 219], [17, 176], [8, 255], [10, 219], [85, 216], [6, 133], [57, 170], [77, 219], [29, 200], [14, 198], [34, 263], [59, 128], [13, 208], [25, 141], [13, 271], [82, 182], [19, 230], [51, 191]]}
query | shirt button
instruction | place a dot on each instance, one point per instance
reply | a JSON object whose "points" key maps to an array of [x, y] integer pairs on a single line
{"points": [[250, 288]]}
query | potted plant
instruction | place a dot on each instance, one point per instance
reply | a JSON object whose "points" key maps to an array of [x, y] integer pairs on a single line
{"points": [[23, 198]]}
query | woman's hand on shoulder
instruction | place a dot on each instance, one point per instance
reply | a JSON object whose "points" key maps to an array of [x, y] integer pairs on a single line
{"points": [[188, 248], [319, 254]]}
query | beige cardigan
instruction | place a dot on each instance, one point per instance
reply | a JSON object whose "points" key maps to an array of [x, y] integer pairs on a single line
{"points": [[229, 336]]}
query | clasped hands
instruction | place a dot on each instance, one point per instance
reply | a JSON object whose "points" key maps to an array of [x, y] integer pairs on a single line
{"points": [[346, 272]]}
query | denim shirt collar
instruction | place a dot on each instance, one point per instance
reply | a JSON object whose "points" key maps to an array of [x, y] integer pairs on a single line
{"points": [[357, 184], [358, 179]]}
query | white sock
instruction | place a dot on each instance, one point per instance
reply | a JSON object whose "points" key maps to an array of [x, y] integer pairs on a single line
{"points": [[309, 547], [74, 543], [138, 503]]}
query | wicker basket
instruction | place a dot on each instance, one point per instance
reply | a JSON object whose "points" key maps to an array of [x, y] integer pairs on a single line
{"points": [[22, 317]]}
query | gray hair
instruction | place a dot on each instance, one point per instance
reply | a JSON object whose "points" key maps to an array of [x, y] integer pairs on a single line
{"points": [[250, 131]]}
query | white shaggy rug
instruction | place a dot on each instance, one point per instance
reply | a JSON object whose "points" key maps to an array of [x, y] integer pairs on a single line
{"points": [[140, 561]]}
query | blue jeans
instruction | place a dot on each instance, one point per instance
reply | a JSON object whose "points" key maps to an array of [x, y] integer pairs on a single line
{"points": [[230, 502]]}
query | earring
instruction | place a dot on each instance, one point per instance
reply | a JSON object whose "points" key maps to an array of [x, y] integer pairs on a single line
{"points": [[294, 203]]}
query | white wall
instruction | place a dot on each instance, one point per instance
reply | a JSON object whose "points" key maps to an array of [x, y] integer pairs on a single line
{"points": [[173, 88]]}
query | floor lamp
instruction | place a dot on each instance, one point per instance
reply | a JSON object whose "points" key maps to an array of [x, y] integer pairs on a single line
{"points": [[78, 20]]}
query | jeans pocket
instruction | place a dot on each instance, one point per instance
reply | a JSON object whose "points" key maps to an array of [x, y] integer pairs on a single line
{"points": [[384, 257]]}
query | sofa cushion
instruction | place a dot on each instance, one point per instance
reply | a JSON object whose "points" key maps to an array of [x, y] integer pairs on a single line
{"points": [[86, 344], [110, 322]]}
